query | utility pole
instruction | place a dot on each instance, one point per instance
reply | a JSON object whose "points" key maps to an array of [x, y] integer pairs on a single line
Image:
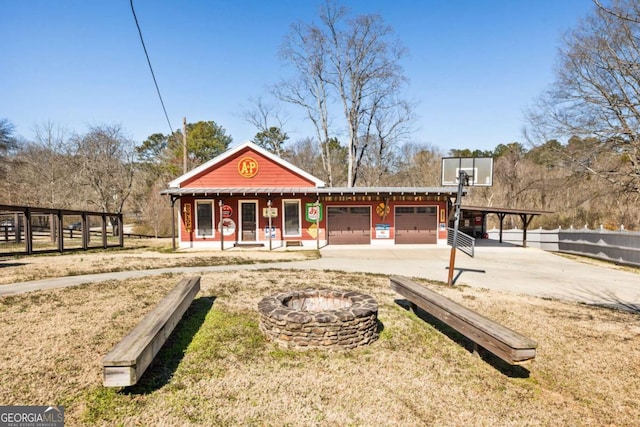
{"points": [[184, 145]]}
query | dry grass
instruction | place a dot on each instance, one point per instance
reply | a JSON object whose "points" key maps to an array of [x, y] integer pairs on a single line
{"points": [[217, 368], [139, 254]]}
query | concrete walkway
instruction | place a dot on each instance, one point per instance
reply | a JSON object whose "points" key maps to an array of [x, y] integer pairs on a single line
{"points": [[499, 267]]}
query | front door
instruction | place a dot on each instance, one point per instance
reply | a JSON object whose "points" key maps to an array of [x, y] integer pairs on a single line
{"points": [[249, 224]]}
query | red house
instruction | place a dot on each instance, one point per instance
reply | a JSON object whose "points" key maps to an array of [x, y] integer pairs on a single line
{"points": [[248, 196]]}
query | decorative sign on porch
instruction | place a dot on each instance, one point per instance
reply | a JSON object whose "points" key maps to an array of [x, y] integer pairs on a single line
{"points": [[269, 212], [383, 210], [313, 231], [227, 226], [382, 231], [186, 215], [248, 167], [269, 233], [313, 212], [227, 211]]}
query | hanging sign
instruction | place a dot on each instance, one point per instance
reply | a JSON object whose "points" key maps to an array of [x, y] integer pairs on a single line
{"points": [[269, 212], [313, 212], [227, 211], [248, 167], [186, 215]]}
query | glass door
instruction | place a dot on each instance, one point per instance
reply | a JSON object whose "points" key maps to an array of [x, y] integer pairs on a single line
{"points": [[249, 224]]}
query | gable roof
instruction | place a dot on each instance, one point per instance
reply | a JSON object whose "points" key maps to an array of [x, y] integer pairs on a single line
{"points": [[233, 151]]}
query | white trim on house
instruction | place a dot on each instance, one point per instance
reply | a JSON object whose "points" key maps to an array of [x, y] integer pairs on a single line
{"points": [[176, 183]]}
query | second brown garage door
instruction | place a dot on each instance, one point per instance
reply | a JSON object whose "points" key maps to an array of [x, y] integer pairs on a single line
{"points": [[416, 224], [349, 225]]}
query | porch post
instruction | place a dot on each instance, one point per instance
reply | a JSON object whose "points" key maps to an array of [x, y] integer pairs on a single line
{"points": [[220, 205], [173, 223]]}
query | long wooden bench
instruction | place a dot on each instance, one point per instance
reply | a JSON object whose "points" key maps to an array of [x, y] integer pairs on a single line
{"points": [[505, 343], [126, 362]]}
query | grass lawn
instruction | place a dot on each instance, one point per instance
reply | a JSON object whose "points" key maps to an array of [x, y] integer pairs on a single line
{"points": [[218, 369]]}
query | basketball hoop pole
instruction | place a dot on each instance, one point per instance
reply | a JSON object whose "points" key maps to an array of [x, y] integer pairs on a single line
{"points": [[463, 178]]}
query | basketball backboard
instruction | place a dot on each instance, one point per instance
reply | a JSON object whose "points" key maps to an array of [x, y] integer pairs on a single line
{"points": [[478, 169]]}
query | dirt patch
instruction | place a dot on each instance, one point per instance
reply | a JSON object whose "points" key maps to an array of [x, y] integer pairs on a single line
{"points": [[218, 369]]}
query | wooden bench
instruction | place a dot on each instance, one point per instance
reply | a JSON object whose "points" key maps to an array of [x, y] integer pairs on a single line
{"points": [[126, 362], [505, 343], [288, 243]]}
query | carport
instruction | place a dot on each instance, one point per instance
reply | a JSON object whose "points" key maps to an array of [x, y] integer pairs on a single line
{"points": [[526, 215]]}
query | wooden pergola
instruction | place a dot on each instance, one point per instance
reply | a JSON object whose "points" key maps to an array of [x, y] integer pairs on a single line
{"points": [[526, 215]]}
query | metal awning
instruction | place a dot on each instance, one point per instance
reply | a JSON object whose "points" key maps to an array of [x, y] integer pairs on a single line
{"points": [[311, 191]]}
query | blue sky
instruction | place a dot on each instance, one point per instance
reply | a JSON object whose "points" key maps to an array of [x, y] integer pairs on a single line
{"points": [[473, 66]]}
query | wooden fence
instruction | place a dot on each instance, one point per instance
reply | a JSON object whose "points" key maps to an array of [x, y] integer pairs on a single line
{"points": [[26, 230]]}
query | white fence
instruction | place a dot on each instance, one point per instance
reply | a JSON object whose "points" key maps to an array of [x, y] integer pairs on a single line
{"points": [[622, 247]]}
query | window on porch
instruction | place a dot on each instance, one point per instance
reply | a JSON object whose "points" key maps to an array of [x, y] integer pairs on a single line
{"points": [[204, 218], [291, 210]]}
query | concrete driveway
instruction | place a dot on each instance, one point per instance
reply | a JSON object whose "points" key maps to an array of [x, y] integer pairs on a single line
{"points": [[500, 267]]}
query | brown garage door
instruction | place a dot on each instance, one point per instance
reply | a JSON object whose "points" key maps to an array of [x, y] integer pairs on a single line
{"points": [[349, 225], [416, 224]]}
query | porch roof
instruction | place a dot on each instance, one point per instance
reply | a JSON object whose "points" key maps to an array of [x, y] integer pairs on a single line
{"points": [[312, 191]]}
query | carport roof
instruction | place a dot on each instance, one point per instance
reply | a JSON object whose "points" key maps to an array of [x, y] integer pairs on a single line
{"points": [[511, 211], [526, 215], [312, 191]]}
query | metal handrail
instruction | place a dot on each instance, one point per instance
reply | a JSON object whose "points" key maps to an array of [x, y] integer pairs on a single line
{"points": [[465, 243]]}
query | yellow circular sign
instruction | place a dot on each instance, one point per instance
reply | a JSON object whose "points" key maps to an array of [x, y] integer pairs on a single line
{"points": [[248, 167], [382, 209]]}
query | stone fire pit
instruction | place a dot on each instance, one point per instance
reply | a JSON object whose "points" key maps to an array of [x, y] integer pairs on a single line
{"points": [[319, 319]]}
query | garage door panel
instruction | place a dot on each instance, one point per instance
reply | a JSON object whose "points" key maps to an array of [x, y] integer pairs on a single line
{"points": [[349, 225], [416, 224]]}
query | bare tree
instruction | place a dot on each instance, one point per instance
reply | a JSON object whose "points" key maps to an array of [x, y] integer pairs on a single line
{"points": [[596, 96], [304, 49], [378, 156], [7, 141], [49, 155], [41, 171], [418, 165], [351, 63], [366, 76], [104, 159], [269, 123]]}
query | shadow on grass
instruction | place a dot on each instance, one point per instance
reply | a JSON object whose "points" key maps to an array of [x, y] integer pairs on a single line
{"points": [[463, 270], [164, 365], [11, 264], [379, 326], [512, 371]]}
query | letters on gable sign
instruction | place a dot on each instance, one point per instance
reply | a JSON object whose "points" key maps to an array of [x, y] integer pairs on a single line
{"points": [[248, 167]]}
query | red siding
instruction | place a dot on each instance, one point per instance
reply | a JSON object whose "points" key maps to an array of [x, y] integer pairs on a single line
{"points": [[225, 175]]}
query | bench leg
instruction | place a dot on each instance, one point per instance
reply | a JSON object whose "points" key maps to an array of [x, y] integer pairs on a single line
{"points": [[476, 349], [412, 307]]}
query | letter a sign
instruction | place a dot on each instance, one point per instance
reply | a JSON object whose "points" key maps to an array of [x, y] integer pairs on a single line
{"points": [[248, 167]]}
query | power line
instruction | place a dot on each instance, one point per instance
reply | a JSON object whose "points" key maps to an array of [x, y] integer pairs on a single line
{"points": [[151, 68]]}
